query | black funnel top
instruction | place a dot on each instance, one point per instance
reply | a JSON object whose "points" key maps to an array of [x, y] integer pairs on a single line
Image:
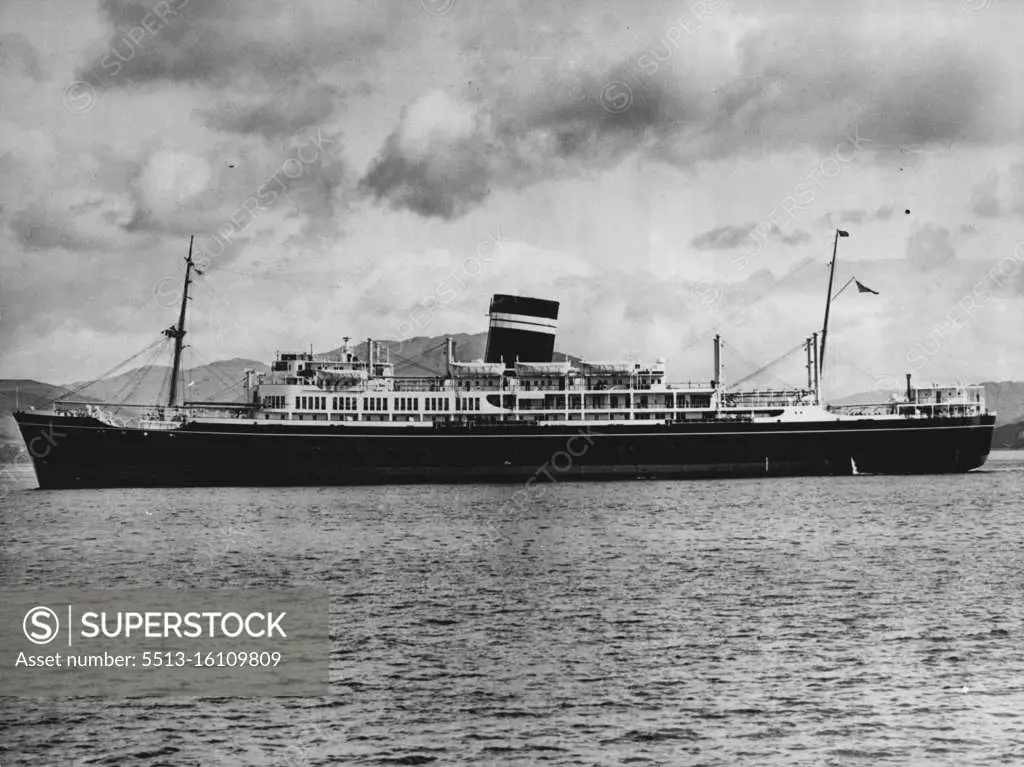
{"points": [[521, 329]]}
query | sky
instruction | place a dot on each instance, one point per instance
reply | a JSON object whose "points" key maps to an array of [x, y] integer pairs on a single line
{"points": [[665, 170]]}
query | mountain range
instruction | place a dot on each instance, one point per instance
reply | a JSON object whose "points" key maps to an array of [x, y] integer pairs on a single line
{"points": [[222, 382]]}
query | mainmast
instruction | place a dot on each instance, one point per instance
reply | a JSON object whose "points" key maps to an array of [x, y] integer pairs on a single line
{"points": [[177, 332], [828, 302]]}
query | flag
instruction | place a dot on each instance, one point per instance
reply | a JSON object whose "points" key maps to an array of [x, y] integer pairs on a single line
{"points": [[842, 233], [862, 288]]}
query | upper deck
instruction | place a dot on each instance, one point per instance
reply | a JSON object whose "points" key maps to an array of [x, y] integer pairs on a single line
{"points": [[304, 387]]}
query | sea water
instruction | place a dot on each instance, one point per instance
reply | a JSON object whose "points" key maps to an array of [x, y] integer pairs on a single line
{"points": [[809, 621]]}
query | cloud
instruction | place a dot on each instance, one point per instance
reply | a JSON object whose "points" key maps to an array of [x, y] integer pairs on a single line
{"points": [[224, 41], [448, 152], [18, 56], [1001, 194], [285, 112], [438, 160], [722, 238], [71, 219], [779, 88], [857, 216], [288, 56], [731, 236], [796, 237], [929, 248]]}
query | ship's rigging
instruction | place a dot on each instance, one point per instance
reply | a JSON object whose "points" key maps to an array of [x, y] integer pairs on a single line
{"points": [[175, 384]]}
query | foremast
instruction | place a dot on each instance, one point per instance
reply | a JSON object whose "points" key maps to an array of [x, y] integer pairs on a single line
{"points": [[177, 332]]}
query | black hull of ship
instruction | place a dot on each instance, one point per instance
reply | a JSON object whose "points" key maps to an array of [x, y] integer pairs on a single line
{"points": [[81, 452]]}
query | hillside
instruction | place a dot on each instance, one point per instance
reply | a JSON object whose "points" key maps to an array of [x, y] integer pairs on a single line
{"points": [[220, 381], [24, 393], [426, 356], [1009, 436]]}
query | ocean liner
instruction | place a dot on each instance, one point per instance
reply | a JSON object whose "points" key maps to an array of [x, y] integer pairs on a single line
{"points": [[516, 415]]}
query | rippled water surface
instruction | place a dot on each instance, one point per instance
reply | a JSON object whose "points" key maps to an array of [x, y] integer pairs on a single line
{"points": [[841, 621]]}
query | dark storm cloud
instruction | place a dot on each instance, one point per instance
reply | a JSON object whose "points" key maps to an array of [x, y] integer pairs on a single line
{"points": [[219, 40], [278, 53], [561, 131], [803, 83], [431, 186]]}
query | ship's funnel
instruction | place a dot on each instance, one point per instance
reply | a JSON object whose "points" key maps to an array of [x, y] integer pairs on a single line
{"points": [[521, 328]]}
